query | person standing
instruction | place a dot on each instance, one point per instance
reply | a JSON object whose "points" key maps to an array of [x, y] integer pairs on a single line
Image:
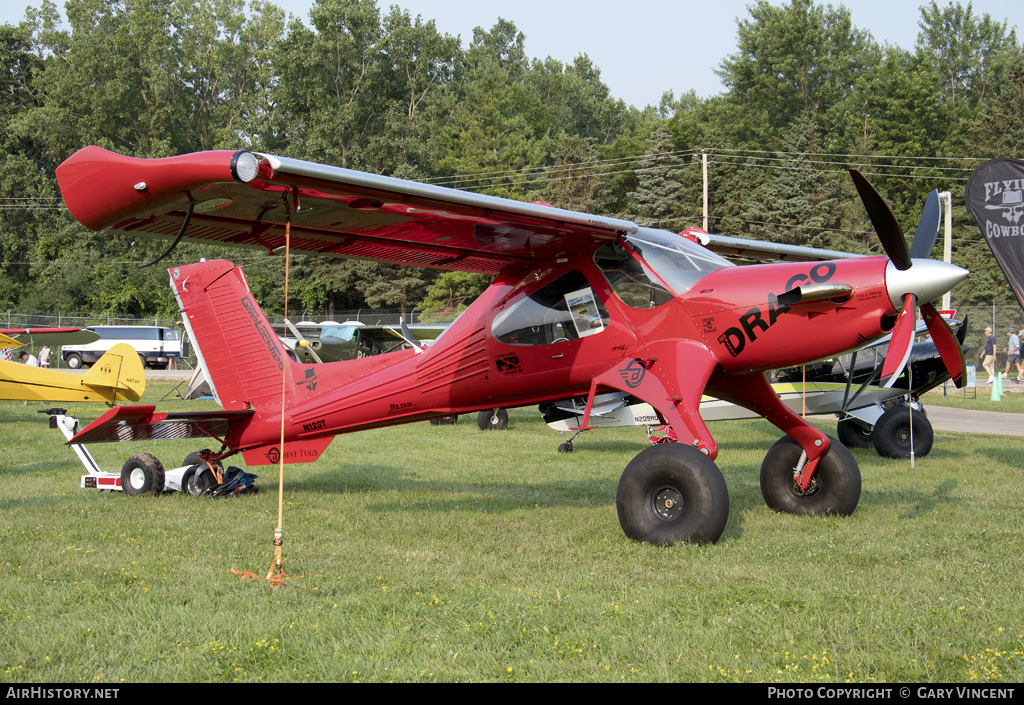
{"points": [[44, 356], [1013, 353], [29, 359], [988, 355]]}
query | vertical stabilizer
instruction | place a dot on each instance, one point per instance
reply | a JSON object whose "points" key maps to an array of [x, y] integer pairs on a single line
{"points": [[119, 370], [243, 358]]}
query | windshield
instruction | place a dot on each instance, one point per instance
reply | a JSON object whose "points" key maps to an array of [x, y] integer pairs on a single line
{"points": [[347, 333], [678, 261]]}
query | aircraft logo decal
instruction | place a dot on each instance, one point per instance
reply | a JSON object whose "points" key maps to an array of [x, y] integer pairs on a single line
{"points": [[633, 373], [309, 380], [508, 364], [268, 337], [274, 455]]}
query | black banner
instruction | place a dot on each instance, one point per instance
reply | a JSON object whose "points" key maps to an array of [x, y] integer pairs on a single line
{"points": [[995, 197]]}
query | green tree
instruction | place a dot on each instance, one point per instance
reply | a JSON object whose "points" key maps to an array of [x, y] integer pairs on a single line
{"points": [[657, 201], [327, 86], [790, 59], [451, 293], [1000, 132], [573, 178], [967, 53], [799, 203]]}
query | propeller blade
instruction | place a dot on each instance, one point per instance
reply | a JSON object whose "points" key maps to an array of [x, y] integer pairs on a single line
{"points": [[928, 228], [294, 330], [961, 334], [407, 334], [312, 353], [901, 343], [881, 216], [946, 343], [303, 345]]}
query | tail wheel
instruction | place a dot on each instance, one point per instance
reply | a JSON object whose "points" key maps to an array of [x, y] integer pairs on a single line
{"points": [[198, 480], [142, 474], [892, 433], [672, 493], [834, 489], [493, 420]]}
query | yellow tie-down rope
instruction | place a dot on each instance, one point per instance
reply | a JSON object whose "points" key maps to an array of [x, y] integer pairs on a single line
{"points": [[276, 574]]}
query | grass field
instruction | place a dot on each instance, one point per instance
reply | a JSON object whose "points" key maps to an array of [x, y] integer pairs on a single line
{"points": [[443, 553], [1011, 401]]}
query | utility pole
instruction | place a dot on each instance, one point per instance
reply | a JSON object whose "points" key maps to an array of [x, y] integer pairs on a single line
{"points": [[704, 166]]}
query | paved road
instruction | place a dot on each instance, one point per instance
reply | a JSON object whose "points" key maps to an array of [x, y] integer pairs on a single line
{"points": [[945, 418]]}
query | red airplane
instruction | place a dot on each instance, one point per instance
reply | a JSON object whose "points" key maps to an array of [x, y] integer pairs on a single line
{"points": [[579, 305]]}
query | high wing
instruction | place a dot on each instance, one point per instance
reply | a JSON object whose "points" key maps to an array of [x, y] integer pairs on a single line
{"points": [[743, 251], [244, 199], [51, 336]]}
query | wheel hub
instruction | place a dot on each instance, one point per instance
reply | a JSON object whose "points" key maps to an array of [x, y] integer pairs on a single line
{"points": [[812, 489], [668, 504], [137, 478], [902, 437]]}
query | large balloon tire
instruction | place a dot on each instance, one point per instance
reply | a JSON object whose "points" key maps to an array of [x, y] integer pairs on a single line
{"points": [[892, 433], [853, 435], [834, 490], [493, 420], [142, 474], [672, 493]]}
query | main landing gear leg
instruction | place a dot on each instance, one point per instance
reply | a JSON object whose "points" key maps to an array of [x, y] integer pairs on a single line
{"points": [[671, 492], [804, 472]]}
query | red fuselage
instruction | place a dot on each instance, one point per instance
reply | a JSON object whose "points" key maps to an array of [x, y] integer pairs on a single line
{"points": [[732, 313]]}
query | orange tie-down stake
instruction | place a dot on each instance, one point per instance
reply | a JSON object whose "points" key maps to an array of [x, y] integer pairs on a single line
{"points": [[276, 579], [276, 574]]}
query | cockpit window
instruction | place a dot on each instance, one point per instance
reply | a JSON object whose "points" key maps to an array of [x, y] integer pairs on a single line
{"points": [[346, 333], [564, 309], [631, 280]]}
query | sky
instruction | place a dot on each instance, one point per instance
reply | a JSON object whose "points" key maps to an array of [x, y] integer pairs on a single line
{"points": [[642, 47]]}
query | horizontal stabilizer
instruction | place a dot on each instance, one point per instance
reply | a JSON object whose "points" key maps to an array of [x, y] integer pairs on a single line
{"points": [[143, 423]]}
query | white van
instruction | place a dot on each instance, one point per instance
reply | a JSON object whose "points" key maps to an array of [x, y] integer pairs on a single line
{"points": [[156, 346]]}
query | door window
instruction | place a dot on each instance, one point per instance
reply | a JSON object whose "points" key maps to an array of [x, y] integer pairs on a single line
{"points": [[564, 309]]}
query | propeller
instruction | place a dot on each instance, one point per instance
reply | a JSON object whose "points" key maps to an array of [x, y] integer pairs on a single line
{"points": [[302, 342], [409, 338], [913, 277]]}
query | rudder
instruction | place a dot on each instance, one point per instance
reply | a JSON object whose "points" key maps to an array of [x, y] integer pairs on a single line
{"points": [[120, 370], [242, 356]]}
